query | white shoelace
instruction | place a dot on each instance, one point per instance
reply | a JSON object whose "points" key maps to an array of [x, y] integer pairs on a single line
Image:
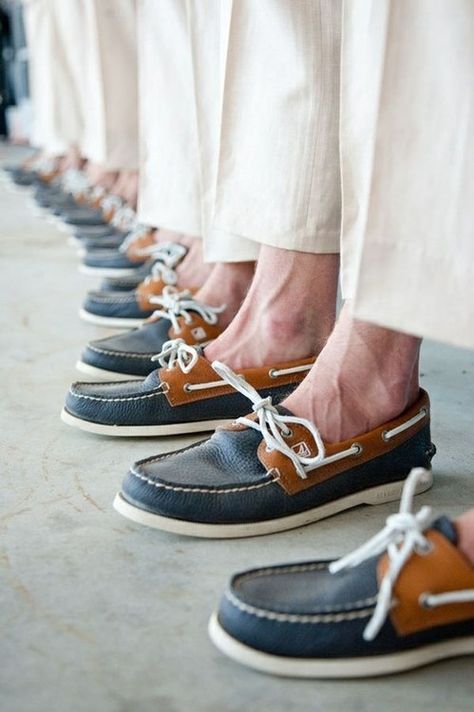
{"points": [[97, 193], [136, 232], [401, 536], [178, 304], [177, 352], [125, 218], [75, 182], [273, 426], [167, 256], [111, 202], [46, 165]]}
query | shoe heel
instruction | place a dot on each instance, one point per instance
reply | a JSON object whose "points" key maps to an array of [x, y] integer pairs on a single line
{"points": [[392, 492]]}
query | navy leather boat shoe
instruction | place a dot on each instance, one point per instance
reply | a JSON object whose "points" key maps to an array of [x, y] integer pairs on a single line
{"points": [[136, 251], [271, 471], [126, 284], [176, 315], [80, 215], [183, 396], [92, 231], [127, 310], [402, 600], [108, 241]]}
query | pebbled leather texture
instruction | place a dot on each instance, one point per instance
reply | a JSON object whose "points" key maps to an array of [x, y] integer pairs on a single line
{"points": [[110, 258], [328, 612], [120, 305], [81, 215], [130, 352], [110, 242], [228, 461], [87, 231], [123, 284]]}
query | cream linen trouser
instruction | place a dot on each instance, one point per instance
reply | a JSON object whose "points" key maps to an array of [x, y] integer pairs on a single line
{"points": [[228, 121], [405, 138], [408, 177], [181, 62], [110, 136], [55, 72], [83, 77]]}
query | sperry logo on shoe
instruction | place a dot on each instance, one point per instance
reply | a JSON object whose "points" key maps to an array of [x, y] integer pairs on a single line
{"points": [[301, 449], [199, 333]]}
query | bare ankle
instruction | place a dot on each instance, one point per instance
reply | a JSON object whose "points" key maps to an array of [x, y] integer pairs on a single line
{"points": [[227, 285], [465, 530], [364, 377], [287, 314]]}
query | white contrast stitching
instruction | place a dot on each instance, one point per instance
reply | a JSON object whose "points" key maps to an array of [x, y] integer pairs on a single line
{"points": [[154, 393], [112, 300], [295, 568], [120, 354], [216, 490], [295, 617]]}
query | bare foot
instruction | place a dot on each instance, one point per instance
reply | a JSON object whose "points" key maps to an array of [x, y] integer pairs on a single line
{"points": [[465, 530], [288, 313], [72, 160], [100, 177], [365, 376], [193, 271], [126, 187], [227, 285]]}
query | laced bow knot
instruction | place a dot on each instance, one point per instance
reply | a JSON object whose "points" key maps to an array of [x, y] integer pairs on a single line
{"points": [[271, 423], [177, 304], [400, 538], [137, 231], [176, 352], [264, 403], [125, 218]]}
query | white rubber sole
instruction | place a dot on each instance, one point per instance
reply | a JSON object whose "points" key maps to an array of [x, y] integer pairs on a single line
{"points": [[342, 667], [107, 271], [63, 227], [18, 189], [142, 431], [374, 495], [105, 375], [115, 323]]}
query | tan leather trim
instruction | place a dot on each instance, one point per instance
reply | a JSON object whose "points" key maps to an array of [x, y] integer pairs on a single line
{"points": [[443, 569], [81, 198], [108, 214], [95, 203], [372, 444], [203, 372], [49, 177], [197, 332], [145, 240], [147, 289]]}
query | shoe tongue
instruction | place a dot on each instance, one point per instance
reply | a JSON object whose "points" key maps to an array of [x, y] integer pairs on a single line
{"points": [[284, 411], [446, 527]]}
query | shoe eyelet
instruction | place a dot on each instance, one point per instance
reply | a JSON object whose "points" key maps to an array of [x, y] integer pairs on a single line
{"points": [[359, 450], [385, 437], [187, 388], [268, 449], [288, 434], [425, 549], [423, 600], [272, 373]]}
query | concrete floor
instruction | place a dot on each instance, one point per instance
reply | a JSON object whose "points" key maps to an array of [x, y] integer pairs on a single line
{"points": [[100, 615]]}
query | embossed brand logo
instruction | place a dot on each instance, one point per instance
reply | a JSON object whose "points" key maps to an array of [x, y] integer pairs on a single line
{"points": [[301, 449]]}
